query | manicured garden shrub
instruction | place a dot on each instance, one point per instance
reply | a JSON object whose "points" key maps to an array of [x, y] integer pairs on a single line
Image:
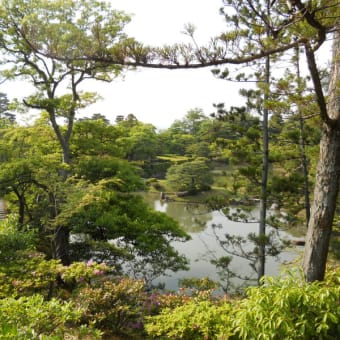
{"points": [[282, 308]]}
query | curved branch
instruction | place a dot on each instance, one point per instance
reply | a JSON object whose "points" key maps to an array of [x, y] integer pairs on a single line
{"points": [[310, 18], [320, 98], [148, 60]]}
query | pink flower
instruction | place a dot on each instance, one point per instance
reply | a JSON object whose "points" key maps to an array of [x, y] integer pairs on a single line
{"points": [[89, 263], [98, 272]]}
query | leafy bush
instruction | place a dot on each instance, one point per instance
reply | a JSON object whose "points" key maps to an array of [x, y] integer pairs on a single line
{"points": [[283, 308], [31, 317], [113, 305], [14, 238], [193, 320], [29, 274], [137, 235], [289, 308], [23, 271]]}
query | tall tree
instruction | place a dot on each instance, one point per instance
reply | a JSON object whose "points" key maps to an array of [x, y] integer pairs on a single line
{"points": [[328, 170], [58, 26]]}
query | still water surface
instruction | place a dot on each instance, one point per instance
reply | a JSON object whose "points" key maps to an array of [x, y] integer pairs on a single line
{"points": [[196, 221]]}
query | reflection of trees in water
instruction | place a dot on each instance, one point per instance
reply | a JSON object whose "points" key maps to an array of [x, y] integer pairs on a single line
{"points": [[193, 218]]}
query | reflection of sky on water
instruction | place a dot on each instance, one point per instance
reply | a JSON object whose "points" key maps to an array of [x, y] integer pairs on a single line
{"points": [[161, 206], [203, 246]]}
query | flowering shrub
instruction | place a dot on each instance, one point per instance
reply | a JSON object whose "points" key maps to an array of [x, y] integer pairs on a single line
{"points": [[283, 308], [83, 273], [114, 305], [31, 273], [28, 274]]}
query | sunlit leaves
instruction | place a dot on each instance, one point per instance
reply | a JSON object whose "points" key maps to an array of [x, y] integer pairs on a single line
{"points": [[281, 308]]}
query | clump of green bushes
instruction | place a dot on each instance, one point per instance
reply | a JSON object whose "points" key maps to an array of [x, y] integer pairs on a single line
{"points": [[283, 308], [98, 304]]}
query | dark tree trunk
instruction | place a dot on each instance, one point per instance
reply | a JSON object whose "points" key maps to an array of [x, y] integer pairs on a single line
{"points": [[61, 234], [61, 245], [327, 179], [22, 203], [264, 185], [21, 209]]}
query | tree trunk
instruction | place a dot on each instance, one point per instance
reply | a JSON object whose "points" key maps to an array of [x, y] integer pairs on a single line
{"points": [[304, 164], [61, 245], [265, 169], [302, 144], [21, 210], [264, 182], [323, 207], [327, 180], [61, 235]]}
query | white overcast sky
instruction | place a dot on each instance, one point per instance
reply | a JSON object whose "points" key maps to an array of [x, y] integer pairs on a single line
{"points": [[161, 96]]}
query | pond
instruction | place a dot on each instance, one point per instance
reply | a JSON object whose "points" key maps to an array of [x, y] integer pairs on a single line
{"points": [[198, 222]]}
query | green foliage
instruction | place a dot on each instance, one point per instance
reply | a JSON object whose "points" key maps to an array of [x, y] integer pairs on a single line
{"points": [[190, 124], [283, 308], [140, 142], [12, 240], [29, 273], [29, 175], [95, 136], [193, 320], [131, 232], [7, 118], [199, 149], [288, 308], [23, 271], [56, 27], [83, 272], [203, 284], [95, 169], [32, 317], [116, 306], [192, 177]]}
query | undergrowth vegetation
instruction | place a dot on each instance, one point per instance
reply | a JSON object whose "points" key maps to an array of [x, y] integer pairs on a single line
{"points": [[98, 307], [282, 308]]}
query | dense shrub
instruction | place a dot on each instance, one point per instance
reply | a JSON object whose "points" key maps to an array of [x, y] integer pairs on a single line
{"points": [[31, 317], [291, 309], [115, 306], [283, 308], [194, 320]]}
